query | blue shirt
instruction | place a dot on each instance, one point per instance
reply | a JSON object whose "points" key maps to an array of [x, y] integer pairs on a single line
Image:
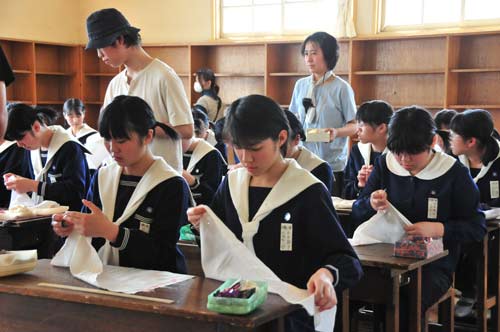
{"points": [[335, 107]]}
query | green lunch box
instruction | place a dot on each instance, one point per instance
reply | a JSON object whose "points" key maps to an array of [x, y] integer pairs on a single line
{"points": [[237, 306]]}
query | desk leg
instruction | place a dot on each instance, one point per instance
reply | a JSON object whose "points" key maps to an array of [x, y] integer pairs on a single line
{"points": [[495, 276], [345, 311], [392, 309], [415, 300], [482, 287]]}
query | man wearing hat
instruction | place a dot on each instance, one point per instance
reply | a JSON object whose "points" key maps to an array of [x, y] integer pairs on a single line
{"points": [[118, 43]]}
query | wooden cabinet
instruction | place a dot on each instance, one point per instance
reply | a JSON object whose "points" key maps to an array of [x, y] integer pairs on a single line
{"points": [[58, 75], [21, 56], [96, 76], [400, 71], [239, 68], [437, 71]]}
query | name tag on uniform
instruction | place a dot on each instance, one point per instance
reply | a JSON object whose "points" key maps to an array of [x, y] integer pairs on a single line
{"points": [[144, 227], [286, 237], [494, 191], [432, 208]]}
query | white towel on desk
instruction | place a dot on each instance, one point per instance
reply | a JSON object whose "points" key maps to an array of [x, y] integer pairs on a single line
{"points": [[84, 263], [223, 256]]}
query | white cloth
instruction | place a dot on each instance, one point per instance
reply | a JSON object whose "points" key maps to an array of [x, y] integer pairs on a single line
{"points": [[109, 180], [384, 227], [162, 89], [200, 151], [223, 256], [308, 160], [83, 261], [293, 181], [438, 166], [59, 138], [484, 170], [345, 19], [342, 204]]}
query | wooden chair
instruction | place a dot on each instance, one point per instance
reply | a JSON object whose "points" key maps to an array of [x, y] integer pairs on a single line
{"points": [[446, 313]]}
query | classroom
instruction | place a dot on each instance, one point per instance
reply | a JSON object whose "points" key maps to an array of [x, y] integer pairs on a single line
{"points": [[250, 165]]}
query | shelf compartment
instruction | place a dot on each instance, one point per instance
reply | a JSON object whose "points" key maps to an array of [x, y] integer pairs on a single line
{"points": [[232, 88], [479, 51], [478, 88], [176, 57], [56, 59]]}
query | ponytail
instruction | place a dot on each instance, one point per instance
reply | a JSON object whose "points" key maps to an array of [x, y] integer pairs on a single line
{"points": [[168, 130]]}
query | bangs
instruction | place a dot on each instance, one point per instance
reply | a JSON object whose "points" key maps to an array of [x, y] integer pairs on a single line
{"points": [[114, 124], [407, 144]]}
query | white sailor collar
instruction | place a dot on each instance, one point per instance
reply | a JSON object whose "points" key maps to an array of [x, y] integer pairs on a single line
{"points": [[484, 170], [365, 149], [5, 145], [438, 166], [308, 160]]}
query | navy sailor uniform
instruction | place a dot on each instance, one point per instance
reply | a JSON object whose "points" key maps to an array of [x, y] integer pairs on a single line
{"points": [[317, 166], [149, 211], [16, 160]]}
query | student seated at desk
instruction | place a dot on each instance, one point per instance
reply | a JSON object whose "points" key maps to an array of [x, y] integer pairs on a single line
{"points": [[204, 166], [136, 204], [57, 160], [475, 141], [372, 120], [254, 201], [74, 114], [15, 160], [305, 158], [433, 190], [443, 121]]}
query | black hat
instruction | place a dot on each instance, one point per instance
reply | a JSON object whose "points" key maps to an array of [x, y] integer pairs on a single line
{"points": [[105, 26]]}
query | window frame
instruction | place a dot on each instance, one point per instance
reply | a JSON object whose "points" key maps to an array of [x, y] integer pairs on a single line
{"points": [[462, 24], [218, 23]]}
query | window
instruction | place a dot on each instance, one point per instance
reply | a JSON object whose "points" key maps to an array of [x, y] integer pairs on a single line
{"points": [[411, 14], [247, 18]]}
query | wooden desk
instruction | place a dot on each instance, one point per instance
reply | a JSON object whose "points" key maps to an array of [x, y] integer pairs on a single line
{"points": [[28, 233], [383, 277], [25, 306]]}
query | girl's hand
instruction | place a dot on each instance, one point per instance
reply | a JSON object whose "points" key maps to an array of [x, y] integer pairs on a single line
{"points": [[191, 180], [378, 200], [363, 175], [194, 215], [20, 184], [60, 226], [321, 285], [426, 228], [94, 224]]}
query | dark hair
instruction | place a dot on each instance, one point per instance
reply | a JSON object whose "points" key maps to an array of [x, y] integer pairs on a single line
{"points": [[443, 118], [327, 43], [130, 38], [219, 130], [375, 112], [477, 123], [411, 130], [253, 119], [73, 105], [22, 117], [208, 75], [200, 119], [295, 126], [127, 114], [445, 137]]}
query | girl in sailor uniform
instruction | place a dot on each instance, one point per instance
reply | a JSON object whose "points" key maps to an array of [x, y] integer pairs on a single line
{"points": [[432, 189], [475, 142], [304, 157], [137, 204], [204, 166], [74, 114], [280, 211], [14, 160], [372, 121], [57, 159]]}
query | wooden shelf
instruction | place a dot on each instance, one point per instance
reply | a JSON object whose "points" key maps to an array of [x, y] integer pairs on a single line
{"points": [[475, 106], [476, 70], [92, 102], [100, 74], [400, 72], [289, 74], [50, 102], [239, 74], [21, 71], [29, 102], [54, 73]]}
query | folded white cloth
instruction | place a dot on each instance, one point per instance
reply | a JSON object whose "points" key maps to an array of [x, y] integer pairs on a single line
{"points": [[342, 204], [492, 213], [13, 262]]}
